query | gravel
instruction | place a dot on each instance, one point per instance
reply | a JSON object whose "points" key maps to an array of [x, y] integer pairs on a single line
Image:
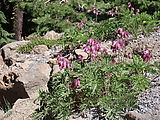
{"points": [[149, 100]]}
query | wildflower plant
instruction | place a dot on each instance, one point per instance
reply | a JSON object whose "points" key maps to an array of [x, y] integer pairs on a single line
{"points": [[112, 87]]}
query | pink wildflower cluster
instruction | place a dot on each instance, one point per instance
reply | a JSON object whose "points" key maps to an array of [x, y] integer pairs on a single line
{"points": [[80, 25], [93, 47], [112, 13], [123, 33], [146, 55], [63, 62], [137, 11], [96, 11], [117, 45]]}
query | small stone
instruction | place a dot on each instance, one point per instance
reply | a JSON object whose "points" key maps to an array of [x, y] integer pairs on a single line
{"points": [[75, 117], [158, 30], [52, 62], [82, 53], [39, 49], [56, 69], [52, 35]]}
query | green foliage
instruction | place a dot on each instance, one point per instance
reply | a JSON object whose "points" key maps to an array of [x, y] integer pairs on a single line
{"points": [[112, 87], [6, 107], [76, 36], [4, 35], [53, 15], [38, 41]]}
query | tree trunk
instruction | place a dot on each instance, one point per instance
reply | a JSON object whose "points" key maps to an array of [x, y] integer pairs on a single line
{"points": [[18, 24]]}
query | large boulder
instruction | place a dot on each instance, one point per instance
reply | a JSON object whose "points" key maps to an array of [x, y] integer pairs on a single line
{"points": [[21, 78], [36, 77], [9, 54], [14, 45], [21, 110]]}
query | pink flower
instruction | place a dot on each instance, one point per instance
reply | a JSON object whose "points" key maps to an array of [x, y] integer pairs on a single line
{"points": [[115, 46], [80, 58], [63, 62], [114, 60], [129, 4], [126, 35], [116, 9], [108, 76], [92, 58], [111, 13], [120, 30], [91, 41], [137, 11], [133, 14], [77, 82], [104, 50], [93, 47], [87, 49], [68, 21], [146, 55], [81, 24], [123, 33], [79, 27], [121, 42], [97, 47], [96, 11], [93, 7], [132, 9]]}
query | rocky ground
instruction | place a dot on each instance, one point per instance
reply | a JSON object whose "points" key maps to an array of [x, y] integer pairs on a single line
{"points": [[21, 78], [149, 101], [31, 72]]}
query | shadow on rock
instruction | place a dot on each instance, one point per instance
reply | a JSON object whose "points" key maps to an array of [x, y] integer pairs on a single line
{"points": [[11, 90]]}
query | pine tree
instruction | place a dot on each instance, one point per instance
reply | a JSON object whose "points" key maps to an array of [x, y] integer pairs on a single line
{"points": [[4, 35]]}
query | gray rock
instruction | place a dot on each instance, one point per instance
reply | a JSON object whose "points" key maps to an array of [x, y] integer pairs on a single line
{"points": [[52, 35], [82, 53], [56, 49], [137, 116], [14, 45], [9, 54], [40, 49]]}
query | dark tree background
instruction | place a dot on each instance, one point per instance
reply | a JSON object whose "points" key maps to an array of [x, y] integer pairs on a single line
{"points": [[24, 17], [18, 24]]}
